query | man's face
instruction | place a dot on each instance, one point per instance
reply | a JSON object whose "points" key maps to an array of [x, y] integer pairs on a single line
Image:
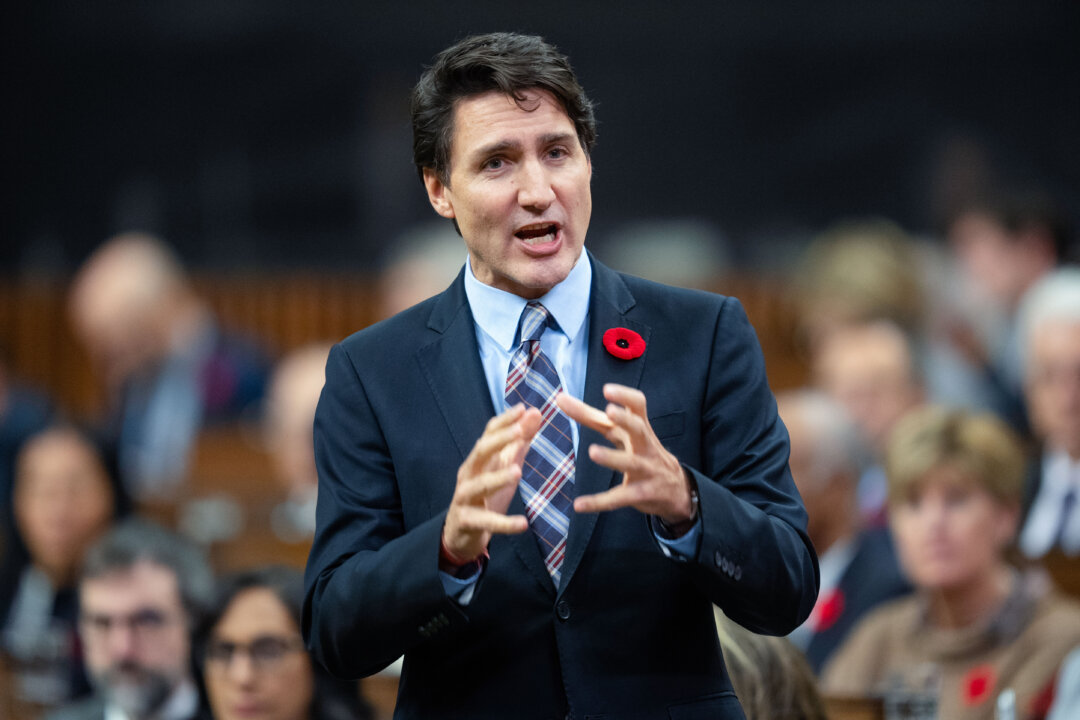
{"points": [[1053, 385], [868, 371], [135, 636], [519, 190]]}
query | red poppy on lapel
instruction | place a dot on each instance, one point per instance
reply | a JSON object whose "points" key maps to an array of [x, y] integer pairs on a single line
{"points": [[827, 611], [623, 343], [978, 684]]}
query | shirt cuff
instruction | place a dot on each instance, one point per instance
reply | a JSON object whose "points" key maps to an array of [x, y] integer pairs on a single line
{"points": [[680, 549], [461, 589]]}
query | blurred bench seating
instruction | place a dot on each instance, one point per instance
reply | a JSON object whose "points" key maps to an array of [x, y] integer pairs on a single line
{"points": [[282, 311]]}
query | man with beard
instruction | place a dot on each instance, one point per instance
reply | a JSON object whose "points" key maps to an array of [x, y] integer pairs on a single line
{"points": [[142, 589]]}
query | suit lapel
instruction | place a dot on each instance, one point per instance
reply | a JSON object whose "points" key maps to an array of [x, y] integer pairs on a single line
{"points": [[610, 301], [452, 368]]}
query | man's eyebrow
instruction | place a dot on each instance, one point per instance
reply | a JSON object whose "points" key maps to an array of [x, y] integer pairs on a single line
{"points": [[496, 148], [502, 146], [552, 138]]}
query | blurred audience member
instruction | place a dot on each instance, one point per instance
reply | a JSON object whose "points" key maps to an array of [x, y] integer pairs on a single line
{"points": [[423, 262], [289, 417], [870, 369], [769, 674], [142, 591], [1050, 325], [252, 660], [1066, 703], [684, 252], [981, 627], [167, 366], [64, 499], [859, 272], [859, 569], [1003, 244], [23, 412]]}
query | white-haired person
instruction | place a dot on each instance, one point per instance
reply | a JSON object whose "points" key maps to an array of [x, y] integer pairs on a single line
{"points": [[1050, 327]]}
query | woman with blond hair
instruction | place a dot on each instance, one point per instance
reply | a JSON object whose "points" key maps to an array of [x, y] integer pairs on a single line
{"points": [[976, 626]]}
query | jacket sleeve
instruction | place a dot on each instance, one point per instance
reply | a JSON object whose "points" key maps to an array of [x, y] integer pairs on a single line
{"points": [[755, 560], [372, 589]]}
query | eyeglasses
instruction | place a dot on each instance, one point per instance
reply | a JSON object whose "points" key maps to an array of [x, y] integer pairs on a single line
{"points": [[146, 622], [265, 652]]}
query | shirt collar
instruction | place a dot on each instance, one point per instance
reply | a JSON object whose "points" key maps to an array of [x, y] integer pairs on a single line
{"points": [[182, 703], [497, 312], [1060, 471]]}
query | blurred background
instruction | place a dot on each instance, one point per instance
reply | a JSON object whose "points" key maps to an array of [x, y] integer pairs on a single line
{"points": [[274, 134]]}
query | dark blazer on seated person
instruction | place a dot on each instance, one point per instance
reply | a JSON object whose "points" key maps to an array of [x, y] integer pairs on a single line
{"points": [[630, 632], [871, 578]]}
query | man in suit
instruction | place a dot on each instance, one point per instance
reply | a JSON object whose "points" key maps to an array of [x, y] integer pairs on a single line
{"points": [[859, 568], [169, 367], [1050, 329], [531, 555], [142, 590]]}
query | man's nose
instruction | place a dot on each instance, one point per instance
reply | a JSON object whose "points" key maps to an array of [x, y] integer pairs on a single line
{"points": [[121, 641], [534, 186]]}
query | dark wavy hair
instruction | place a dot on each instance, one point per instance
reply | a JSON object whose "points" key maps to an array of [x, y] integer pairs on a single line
{"points": [[332, 698], [507, 62]]}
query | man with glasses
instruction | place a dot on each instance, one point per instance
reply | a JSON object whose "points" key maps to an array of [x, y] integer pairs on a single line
{"points": [[142, 589]]}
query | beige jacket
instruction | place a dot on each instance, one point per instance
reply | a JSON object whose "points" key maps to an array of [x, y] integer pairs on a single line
{"points": [[1021, 647]]}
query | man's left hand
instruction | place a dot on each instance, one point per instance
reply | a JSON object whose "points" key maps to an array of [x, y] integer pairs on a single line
{"points": [[653, 480]]}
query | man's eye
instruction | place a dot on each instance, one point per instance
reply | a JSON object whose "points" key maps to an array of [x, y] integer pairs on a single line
{"points": [[557, 153], [493, 164]]}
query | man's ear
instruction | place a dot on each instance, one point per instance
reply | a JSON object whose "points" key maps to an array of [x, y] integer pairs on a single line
{"points": [[438, 194]]}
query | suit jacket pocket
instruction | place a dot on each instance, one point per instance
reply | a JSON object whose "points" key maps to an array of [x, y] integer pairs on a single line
{"points": [[669, 425], [721, 706]]}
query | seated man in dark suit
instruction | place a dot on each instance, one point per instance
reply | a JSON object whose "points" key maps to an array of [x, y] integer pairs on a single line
{"points": [[859, 569], [531, 555]]}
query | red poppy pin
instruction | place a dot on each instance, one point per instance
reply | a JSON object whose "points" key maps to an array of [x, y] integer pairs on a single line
{"points": [[978, 685], [827, 611], [623, 343]]}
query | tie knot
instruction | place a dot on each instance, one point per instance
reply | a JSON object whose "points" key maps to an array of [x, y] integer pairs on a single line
{"points": [[534, 320]]}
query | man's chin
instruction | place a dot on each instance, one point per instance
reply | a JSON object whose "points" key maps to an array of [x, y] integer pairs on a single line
{"points": [[137, 694]]}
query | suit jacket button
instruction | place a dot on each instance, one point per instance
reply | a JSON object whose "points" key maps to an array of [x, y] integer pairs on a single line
{"points": [[563, 610]]}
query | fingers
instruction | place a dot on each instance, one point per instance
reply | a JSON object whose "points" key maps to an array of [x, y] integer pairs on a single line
{"points": [[584, 414], [500, 431], [475, 520], [624, 461], [630, 398], [613, 499], [475, 490]]}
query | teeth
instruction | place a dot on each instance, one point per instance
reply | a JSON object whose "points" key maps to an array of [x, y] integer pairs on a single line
{"points": [[540, 239], [540, 232]]}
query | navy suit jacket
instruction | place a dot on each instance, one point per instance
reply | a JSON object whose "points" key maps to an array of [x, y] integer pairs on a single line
{"points": [[630, 632]]}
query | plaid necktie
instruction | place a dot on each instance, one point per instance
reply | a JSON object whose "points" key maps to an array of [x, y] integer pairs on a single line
{"points": [[547, 477]]}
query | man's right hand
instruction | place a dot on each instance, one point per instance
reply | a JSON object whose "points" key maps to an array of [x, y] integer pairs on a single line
{"points": [[486, 483]]}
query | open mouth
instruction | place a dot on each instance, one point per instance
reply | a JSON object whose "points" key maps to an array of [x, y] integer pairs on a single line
{"points": [[537, 233]]}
